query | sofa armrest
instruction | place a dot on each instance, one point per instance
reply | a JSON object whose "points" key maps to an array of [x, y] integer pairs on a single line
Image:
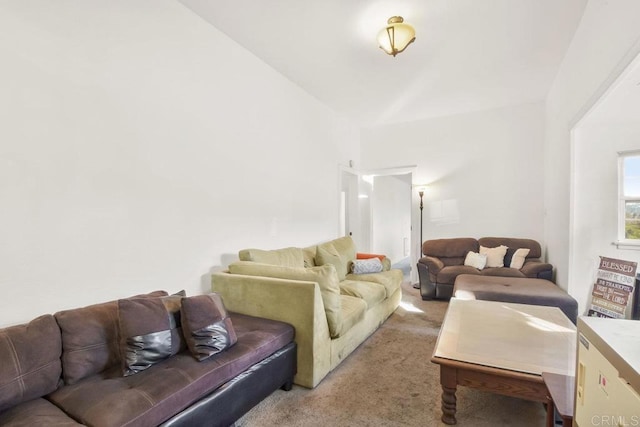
{"points": [[537, 269], [433, 264], [427, 287], [298, 303]]}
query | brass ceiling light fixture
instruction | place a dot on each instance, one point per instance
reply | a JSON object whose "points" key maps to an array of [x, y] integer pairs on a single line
{"points": [[396, 36]]}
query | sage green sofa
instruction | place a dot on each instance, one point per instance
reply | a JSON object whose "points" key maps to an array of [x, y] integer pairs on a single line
{"points": [[332, 310]]}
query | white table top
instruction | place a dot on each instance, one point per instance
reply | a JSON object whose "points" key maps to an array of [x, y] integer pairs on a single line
{"points": [[519, 337]]}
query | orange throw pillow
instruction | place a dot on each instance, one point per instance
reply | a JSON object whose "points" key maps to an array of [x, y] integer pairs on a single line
{"points": [[368, 256]]}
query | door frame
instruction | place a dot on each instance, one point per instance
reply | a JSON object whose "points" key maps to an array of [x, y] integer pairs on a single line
{"points": [[360, 174]]}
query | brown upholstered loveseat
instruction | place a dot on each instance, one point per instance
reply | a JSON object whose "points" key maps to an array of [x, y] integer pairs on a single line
{"points": [[443, 261], [65, 370]]}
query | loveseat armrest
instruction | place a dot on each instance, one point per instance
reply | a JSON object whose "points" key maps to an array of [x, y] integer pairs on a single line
{"points": [[427, 287], [428, 268], [433, 264], [298, 303], [538, 269]]}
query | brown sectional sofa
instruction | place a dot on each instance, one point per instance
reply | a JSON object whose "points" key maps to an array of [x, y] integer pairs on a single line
{"points": [[65, 370], [443, 261]]}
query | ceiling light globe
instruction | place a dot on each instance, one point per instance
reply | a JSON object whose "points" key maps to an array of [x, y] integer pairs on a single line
{"points": [[396, 36]]}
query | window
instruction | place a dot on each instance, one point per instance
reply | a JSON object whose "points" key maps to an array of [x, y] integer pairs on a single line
{"points": [[629, 190]]}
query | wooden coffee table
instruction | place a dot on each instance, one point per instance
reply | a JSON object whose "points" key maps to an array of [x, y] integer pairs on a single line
{"points": [[502, 348]]}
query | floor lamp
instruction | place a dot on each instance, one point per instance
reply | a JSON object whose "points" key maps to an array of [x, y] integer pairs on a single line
{"points": [[421, 194]]}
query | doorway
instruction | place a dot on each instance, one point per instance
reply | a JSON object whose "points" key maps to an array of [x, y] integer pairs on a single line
{"points": [[376, 211], [391, 216]]}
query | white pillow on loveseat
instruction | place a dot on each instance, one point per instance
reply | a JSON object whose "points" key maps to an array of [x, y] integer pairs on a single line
{"points": [[474, 259], [519, 257], [495, 256]]}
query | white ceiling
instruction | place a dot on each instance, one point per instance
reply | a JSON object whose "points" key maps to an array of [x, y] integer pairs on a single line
{"points": [[620, 104], [468, 55]]}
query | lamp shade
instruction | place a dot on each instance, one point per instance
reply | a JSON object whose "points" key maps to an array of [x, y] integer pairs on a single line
{"points": [[396, 36]]}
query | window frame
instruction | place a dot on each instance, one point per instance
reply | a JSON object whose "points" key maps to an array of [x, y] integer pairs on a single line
{"points": [[622, 199]]}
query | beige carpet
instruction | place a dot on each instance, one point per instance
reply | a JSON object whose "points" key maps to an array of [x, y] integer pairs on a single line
{"points": [[390, 381]]}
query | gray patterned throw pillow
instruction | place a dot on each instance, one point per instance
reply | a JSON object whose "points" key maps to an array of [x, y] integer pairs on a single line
{"points": [[366, 266]]}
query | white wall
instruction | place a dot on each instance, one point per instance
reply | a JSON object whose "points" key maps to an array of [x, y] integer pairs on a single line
{"points": [[391, 215], [140, 149], [483, 170], [606, 36], [364, 228], [594, 224]]}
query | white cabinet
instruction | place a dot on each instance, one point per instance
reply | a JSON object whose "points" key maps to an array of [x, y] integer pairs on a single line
{"points": [[608, 373]]}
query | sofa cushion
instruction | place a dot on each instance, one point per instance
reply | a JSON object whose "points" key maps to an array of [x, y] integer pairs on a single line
{"points": [[476, 260], [206, 326], [156, 394], [309, 256], [286, 257], [369, 292], [447, 275], [386, 262], [450, 248], [535, 251], [391, 279], [325, 276], [366, 266], [352, 312], [339, 253], [518, 258], [327, 255], [502, 272], [30, 360], [345, 247], [36, 412], [90, 340], [150, 331], [363, 255], [495, 256]]}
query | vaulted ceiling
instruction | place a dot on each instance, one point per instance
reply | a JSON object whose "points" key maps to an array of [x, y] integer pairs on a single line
{"points": [[620, 103], [468, 55]]}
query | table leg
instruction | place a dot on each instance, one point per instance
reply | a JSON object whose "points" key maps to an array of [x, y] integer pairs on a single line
{"points": [[550, 413], [448, 379], [448, 405]]}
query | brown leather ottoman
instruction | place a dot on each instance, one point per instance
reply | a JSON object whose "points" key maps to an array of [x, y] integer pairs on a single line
{"points": [[515, 289]]}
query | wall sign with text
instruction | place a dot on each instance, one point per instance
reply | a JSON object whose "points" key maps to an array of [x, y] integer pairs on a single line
{"points": [[613, 289]]}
